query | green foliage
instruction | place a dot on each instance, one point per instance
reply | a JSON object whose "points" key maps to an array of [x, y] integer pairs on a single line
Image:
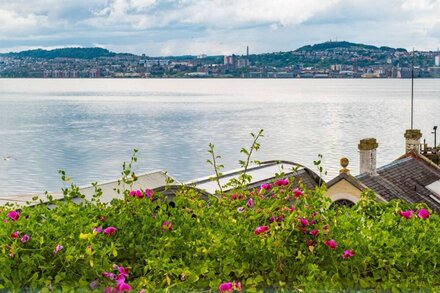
{"points": [[215, 241], [78, 53], [339, 45]]}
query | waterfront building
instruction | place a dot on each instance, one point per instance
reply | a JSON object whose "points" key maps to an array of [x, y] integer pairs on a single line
{"points": [[412, 177], [228, 60]]}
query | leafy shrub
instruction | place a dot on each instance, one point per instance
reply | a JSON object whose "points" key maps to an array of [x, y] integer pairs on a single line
{"points": [[274, 238]]}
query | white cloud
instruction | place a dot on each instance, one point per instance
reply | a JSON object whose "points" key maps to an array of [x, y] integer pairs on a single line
{"points": [[217, 26], [11, 21]]}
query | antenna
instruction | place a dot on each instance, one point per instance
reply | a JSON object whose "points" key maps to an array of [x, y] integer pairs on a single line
{"points": [[412, 90]]}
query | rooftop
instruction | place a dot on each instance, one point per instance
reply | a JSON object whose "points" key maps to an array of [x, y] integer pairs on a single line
{"points": [[411, 178], [262, 173]]}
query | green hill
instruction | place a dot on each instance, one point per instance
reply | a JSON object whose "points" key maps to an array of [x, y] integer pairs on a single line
{"points": [[343, 44], [78, 53]]}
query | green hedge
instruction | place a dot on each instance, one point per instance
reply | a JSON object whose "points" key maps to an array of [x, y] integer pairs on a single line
{"points": [[193, 243]]}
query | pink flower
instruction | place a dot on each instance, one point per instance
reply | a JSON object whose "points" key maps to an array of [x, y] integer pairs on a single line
{"points": [[58, 248], [331, 243], [281, 182], [314, 232], [406, 214], [261, 229], [14, 215], [230, 287], [423, 214], [250, 202], [110, 290], [297, 193], [121, 270], [304, 222], [234, 196], [149, 193], [25, 238], [225, 287], [137, 193], [15, 235], [280, 218], [122, 286], [272, 219], [266, 186], [347, 254], [240, 209], [238, 286], [167, 226], [110, 231], [97, 230], [111, 276]]}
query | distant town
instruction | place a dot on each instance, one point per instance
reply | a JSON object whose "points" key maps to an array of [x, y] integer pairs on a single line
{"points": [[326, 60]]}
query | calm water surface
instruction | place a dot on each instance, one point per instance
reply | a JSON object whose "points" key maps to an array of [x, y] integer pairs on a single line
{"points": [[89, 127]]}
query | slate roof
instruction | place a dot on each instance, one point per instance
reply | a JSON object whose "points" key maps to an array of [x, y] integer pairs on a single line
{"points": [[262, 173], [406, 178]]}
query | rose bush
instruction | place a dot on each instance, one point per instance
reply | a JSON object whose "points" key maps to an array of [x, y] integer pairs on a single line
{"points": [[277, 237]]}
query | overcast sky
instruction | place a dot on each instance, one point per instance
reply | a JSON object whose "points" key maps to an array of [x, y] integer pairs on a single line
{"points": [[177, 27]]}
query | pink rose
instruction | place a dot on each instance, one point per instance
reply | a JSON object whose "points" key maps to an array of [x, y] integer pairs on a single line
{"points": [[304, 222], [15, 235], [261, 229], [230, 287], [25, 238], [225, 287], [149, 193], [406, 214], [281, 182], [314, 232], [266, 186], [347, 254], [331, 244], [423, 214], [297, 193], [58, 248], [110, 231], [250, 202], [14, 215]]}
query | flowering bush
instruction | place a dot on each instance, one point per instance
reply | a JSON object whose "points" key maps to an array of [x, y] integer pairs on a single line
{"points": [[244, 240]]}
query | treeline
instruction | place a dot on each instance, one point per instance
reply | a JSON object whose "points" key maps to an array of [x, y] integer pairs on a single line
{"points": [[78, 53]]}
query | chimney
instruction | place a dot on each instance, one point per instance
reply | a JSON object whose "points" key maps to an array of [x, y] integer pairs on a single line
{"points": [[367, 149], [412, 140]]}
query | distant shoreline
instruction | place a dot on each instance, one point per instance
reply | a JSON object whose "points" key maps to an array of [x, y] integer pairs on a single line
{"points": [[222, 77]]}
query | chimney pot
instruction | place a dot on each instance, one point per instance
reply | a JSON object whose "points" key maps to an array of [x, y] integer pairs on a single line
{"points": [[412, 140], [367, 149]]}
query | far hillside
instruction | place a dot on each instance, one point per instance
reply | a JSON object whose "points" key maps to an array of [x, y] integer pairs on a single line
{"points": [[77, 53]]}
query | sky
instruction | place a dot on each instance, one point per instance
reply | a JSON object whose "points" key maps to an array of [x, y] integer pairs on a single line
{"points": [[216, 27]]}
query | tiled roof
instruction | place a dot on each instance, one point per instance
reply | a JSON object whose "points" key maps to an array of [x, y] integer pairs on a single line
{"points": [[405, 178], [262, 173]]}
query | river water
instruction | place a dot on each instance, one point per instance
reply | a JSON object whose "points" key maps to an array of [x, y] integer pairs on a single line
{"points": [[89, 127]]}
